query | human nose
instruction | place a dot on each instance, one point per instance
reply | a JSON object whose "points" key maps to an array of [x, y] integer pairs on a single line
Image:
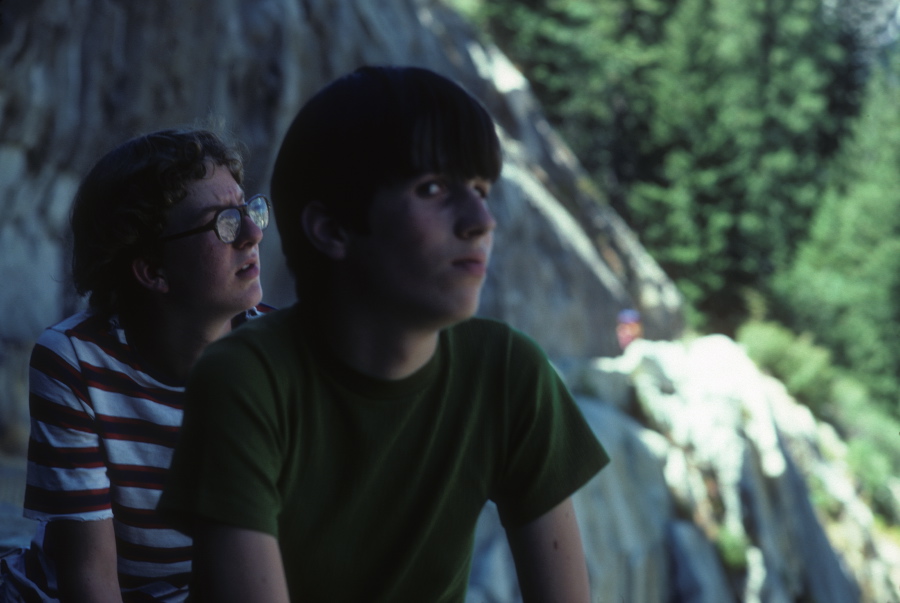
{"points": [[475, 218], [250, 234]]}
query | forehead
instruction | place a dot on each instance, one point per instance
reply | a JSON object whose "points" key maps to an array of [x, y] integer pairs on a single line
{"points": [[218, 189]]}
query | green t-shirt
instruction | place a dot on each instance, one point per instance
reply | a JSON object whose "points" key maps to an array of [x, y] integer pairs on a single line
{"points": [[373, 487]]}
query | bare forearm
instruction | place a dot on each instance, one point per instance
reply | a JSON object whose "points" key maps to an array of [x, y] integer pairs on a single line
{"points": [[84, 553], [234, 565], [88, 588]]}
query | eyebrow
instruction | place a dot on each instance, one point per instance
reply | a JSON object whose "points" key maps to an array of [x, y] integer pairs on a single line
{"points": [[214, 208]]}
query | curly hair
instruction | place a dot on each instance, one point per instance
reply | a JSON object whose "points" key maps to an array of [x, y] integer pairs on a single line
{"points": [[119, 211]]}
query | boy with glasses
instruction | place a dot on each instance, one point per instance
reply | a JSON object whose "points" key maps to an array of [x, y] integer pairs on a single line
{"points": [[342, 449], [168, 250]]}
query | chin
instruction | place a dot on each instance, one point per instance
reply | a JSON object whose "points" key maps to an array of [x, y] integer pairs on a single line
{"points": [[462, 313], [248, 301], [255, 295]]}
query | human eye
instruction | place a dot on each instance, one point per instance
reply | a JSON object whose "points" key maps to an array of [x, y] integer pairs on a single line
{"points": [[482, 187], [431, 187], [228, 224]]}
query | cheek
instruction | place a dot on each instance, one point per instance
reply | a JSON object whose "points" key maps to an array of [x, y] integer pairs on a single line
{"points": [[405, 244], [424, 233], [196, 265]]}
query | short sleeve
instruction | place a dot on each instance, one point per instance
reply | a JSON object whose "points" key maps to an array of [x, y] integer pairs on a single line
{"points": [[67, 476], [229, 455], [552, 451]]}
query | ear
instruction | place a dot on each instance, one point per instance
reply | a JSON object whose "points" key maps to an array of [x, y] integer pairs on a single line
{"points": [[324, 231], [149, 276]]}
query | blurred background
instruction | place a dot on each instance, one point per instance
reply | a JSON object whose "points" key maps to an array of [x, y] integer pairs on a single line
{"points": [[698, 220]]}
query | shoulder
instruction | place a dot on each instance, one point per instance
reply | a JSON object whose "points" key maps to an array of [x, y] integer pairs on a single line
{"points": [[269, 339], [482, 329], [488, 336], [81, 333], [487, 351], [82, 325], [262, 323]]}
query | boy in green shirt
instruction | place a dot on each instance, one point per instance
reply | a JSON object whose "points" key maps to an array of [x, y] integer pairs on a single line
{"points": [[342, 449]]}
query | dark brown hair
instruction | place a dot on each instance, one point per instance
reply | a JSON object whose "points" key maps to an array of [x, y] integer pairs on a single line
{"points": [[367, 130], [120, 209]]}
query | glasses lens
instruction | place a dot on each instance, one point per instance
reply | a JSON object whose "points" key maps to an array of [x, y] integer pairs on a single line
{"points": [[258, 210], [228, 225]]}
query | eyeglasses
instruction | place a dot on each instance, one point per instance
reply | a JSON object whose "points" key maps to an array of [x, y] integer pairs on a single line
{"points": [[227, 221]]}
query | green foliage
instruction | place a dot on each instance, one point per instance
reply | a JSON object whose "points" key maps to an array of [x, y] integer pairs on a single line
{"points": [[873, 436], [821, 498], [831, 393], [732, 546], [845, 281], [742, 107], [874, 470], [707, 121], [804, 367]]}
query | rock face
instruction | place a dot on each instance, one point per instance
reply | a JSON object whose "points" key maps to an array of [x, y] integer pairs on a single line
{"points": [[82, 75], [699, 457], [707, 497]]}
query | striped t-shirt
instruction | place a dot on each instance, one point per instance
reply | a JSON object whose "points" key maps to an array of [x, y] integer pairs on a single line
{"points": [[103, 430]]}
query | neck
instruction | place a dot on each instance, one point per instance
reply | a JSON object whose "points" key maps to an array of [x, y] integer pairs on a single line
{"points": [[378, 348], [170, 343]]}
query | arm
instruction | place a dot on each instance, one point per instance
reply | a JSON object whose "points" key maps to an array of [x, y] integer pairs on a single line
{"points": [[549, 558], [85, 556], [237, 565], [67, 481]]}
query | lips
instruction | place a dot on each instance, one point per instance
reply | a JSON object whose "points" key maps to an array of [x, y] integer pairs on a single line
{"points": [[475, 264], [249, 269]]}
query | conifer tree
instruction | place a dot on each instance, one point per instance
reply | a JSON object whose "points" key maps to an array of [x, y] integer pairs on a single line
{"points": [[709, 122], [844, 284]]}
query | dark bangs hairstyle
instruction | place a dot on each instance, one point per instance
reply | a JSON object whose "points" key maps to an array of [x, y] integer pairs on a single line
{"points": [[371, 129], [119, 211]]}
